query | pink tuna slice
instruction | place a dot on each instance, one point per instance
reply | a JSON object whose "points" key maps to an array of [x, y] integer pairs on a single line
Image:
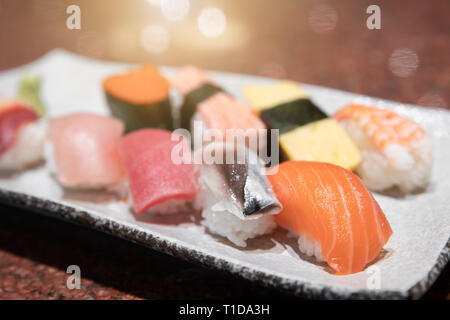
{"points": [[85, 149], [153, 176]]}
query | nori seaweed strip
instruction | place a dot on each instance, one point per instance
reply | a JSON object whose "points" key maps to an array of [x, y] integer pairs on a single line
{"points": [[291, 115], [154, 115], [192, 99]]}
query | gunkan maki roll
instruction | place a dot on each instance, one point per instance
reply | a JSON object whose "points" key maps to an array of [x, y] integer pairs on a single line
{"points": [[140, 98]]}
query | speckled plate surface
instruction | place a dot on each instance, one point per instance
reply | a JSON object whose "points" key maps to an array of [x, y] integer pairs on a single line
{"points": [[409, 264]]}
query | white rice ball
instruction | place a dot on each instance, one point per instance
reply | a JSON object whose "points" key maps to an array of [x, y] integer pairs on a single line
{"points": [[27, 149], [222, 221]]}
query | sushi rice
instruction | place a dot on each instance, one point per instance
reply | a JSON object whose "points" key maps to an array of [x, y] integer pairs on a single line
{"points": [[219, 218], [170, 207], [241, 208], [28, 148]]}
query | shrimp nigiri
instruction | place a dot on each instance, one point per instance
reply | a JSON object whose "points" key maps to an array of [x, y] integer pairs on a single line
{"points": [[394, 149]]}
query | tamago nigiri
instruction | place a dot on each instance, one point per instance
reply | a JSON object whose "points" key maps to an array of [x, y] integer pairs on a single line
{"points": [[306, 132], [335, 216]]}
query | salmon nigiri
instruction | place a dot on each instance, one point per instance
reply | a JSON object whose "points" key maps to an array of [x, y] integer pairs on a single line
{"points": [[394, 149], [85, 153], [335, 216]]}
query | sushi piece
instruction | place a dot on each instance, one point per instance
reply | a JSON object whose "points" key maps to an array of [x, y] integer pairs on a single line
{"points": [[306, 132], [195, 86], [237, 199], [394, 149], [83, 153], [22, 136], [158, 184], [231, 119], [140, 98], [335, 217]]}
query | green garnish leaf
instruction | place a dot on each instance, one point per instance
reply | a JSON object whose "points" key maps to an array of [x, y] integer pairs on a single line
{"points": [[29, 88]]}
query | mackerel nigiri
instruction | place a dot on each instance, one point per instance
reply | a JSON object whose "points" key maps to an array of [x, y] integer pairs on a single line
{"points": [[236, 197], [22, 135], [335, 216], [158, 182], [395, 151], [83, 151]]}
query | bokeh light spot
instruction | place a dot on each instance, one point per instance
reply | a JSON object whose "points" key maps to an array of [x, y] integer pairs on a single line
{"points": [[155, 3], [322, 18], [155, 39], [175, 10], [273, 70], [91, 44], [431, 99], [212, 22], [403, 62]]}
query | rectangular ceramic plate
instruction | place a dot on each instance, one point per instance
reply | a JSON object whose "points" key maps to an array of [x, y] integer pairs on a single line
{"points": [[411, 261]]}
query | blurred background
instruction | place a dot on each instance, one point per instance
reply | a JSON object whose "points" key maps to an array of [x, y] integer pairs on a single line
{"points": [[322, 42]]}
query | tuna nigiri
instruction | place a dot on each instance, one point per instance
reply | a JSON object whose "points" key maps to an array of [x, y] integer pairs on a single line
{"points": [[22, 135], [335, 216], [83, 151], [158, 183], [394, 149]]}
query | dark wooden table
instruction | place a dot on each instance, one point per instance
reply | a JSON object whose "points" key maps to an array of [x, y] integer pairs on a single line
{"points": [[329, 46]]}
